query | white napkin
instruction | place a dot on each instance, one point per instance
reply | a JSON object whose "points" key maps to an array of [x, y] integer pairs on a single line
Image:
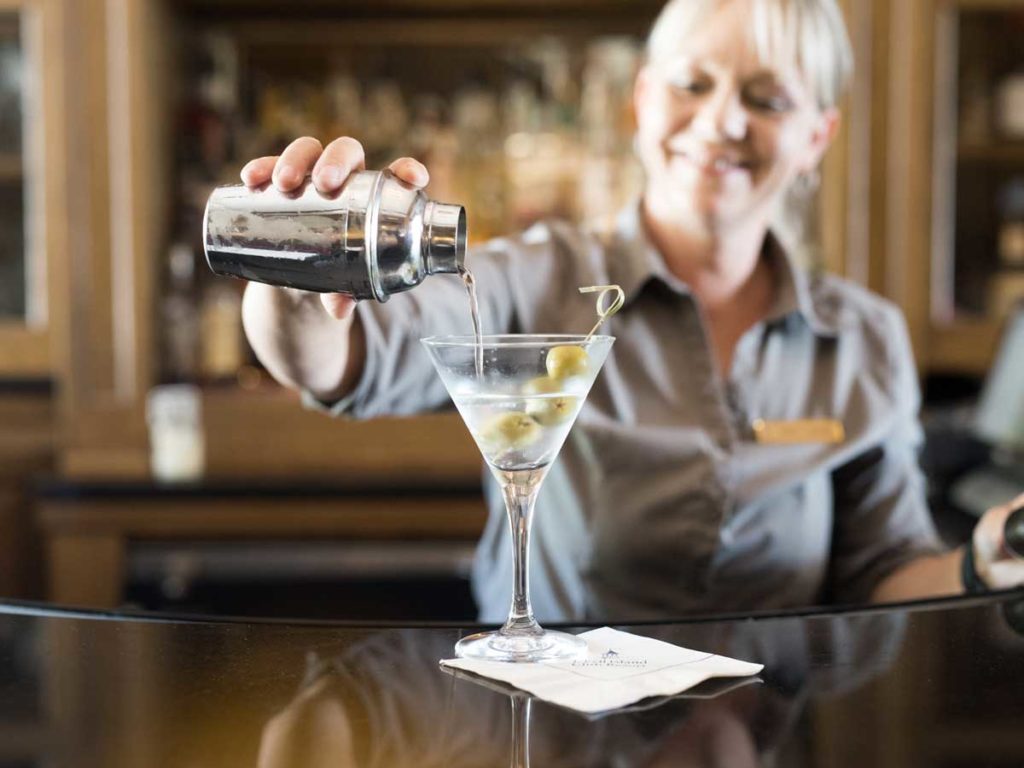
{"points": [[618, 669]]}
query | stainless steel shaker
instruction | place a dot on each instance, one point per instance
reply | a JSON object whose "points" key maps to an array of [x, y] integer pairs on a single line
{"points": [[376, 236]]}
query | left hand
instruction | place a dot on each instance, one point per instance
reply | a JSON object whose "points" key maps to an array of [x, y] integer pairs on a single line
{"points": [[995, 565]]}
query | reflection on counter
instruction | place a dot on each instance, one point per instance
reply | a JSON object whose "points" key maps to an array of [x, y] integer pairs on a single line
{"points": [[930, 686]]}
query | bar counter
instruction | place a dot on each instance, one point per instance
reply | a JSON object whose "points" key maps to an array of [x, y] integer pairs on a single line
{"points": [[934, 683]]}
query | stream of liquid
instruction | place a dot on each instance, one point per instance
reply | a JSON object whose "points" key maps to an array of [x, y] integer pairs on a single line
{"points": [[474, 309]]}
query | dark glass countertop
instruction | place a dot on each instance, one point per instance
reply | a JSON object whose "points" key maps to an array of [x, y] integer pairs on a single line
{"points": [[938, 683]]}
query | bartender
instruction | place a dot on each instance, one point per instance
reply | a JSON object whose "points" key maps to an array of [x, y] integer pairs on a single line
{"points": [[752, 442]]}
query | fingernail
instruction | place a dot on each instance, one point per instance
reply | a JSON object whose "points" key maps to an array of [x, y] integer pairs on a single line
{"points": [[286, 174], [330, 177]]}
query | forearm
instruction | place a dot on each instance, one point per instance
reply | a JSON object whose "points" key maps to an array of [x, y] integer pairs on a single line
{"points": [[300, 344], [927, 576]]}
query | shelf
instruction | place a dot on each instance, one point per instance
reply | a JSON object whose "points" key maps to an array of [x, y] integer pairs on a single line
{"points": [[998, 152], [965, 346]]}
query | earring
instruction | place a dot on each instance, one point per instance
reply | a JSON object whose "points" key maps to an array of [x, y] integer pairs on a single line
{"points": [[807, 183]]}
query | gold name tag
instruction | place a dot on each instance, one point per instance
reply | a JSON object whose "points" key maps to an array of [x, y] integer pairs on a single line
{"points": [[799, 431]]}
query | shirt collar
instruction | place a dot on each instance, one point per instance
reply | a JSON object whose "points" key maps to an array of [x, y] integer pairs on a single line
{"points": [[635, 262]]}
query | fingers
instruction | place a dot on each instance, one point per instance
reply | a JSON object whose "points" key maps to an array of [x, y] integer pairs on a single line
{"points": [[1005, 574], [257, 172], [338, 305], [341, 157], [411, 171], [988, 534], [329, 166], [296, 163]]}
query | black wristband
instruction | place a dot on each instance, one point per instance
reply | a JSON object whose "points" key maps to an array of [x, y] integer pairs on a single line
{"points": [[972, 582]]}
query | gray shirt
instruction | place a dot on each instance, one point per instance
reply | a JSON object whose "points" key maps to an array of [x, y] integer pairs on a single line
{"points": [[662, 503]]}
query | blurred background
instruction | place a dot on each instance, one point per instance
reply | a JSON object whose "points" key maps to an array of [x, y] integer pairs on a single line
{"points": [[147, 460]]}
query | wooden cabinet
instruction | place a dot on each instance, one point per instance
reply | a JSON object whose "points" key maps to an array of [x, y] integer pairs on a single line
{"points": [[948, 166], [30, 173], [109, 152]]}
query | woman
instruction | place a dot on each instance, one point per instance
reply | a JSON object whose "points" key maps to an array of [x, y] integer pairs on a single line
{"points": [[666, 499]]}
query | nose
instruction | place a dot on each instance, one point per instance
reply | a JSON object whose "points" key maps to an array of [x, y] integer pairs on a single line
{"points": [[722, 115]]}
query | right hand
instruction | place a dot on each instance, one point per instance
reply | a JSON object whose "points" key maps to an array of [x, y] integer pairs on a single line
{"points": [[330, 167]]}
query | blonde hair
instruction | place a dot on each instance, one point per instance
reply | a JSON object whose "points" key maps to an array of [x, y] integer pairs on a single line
{"points": [[808, 33], [811, 33]]}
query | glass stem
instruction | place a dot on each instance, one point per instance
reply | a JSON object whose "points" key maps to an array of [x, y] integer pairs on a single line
{"points": [[521, 731], [519, 501]]}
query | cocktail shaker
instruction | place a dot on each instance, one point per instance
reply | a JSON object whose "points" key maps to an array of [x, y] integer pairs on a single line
{"points": [[376, 236]]}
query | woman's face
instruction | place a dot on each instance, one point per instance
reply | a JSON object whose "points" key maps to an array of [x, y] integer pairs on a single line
{"points": [[721, 133]]}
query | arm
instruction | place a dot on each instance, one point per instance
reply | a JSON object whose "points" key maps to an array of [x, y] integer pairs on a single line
{"points": [[927, 576], [300, 344], [884, 545], [310, 341], [940, 575]]}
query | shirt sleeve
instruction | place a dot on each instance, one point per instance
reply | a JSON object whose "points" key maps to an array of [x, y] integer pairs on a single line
{"points": [[398, 378], [882, 520]]}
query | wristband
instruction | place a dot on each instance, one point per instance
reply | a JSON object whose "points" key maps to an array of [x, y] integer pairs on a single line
{"points": [[972, 582]]}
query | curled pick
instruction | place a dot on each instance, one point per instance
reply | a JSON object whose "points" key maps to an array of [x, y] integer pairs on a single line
{"points": [[610, 301]]}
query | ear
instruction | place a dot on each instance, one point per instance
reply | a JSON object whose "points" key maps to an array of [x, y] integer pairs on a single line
{"points": [[825, 129], [641, 90]]}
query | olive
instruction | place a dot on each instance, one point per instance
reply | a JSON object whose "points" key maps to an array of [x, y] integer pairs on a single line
{"points": [[511, 431], [566, 362], [548, 411]]}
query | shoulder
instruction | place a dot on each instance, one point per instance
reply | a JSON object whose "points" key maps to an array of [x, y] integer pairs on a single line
{"points": [[546, 250], [852, 311], [872, 341]]}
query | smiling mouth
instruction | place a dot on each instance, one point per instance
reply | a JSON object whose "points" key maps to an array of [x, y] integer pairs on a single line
{"points": [[714, 165]]}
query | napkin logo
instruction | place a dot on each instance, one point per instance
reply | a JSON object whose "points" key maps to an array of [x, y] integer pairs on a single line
{"points": [[614, 659]]}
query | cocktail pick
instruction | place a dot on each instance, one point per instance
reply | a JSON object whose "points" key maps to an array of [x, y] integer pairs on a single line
{"points": [[613, 306]]}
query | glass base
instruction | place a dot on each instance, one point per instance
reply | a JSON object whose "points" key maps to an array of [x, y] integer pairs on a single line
{"points": [[520, 647]]}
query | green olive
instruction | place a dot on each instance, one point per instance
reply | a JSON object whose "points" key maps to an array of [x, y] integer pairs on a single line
{"points": [[566, 362], [548, 411], [542, 385], [511, 431], [552, 411]]}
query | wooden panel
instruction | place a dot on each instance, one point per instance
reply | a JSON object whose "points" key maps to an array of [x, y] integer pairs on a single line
{"points": [[963, 347], [270, 434], [355, 517], [85, 571], [26, 448], [24, 352], [24, 346], [909, 165]]}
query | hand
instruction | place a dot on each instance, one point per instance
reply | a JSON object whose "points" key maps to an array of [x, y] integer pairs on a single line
{"points": [[330, 168], [313, 731], [995, 565]]}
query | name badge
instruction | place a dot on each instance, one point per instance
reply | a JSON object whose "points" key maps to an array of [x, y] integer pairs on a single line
{"points": [[799, 431]]}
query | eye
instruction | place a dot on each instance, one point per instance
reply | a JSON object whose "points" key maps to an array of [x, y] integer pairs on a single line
{"points": [[768, 97], [689, 83]]}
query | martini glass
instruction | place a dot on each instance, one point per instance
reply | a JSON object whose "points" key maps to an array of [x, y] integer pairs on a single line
{"points": [[519, 404]]}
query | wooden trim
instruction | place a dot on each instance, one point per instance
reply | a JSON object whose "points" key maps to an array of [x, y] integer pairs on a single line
{"points": [[23, 351], [879, 133], [420, 32], [34, 166], [25, 345], [908, 166], [944, 168], [348, 517]]}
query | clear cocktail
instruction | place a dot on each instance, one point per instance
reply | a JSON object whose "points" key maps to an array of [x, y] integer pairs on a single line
{"points": [[519, 407]]}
